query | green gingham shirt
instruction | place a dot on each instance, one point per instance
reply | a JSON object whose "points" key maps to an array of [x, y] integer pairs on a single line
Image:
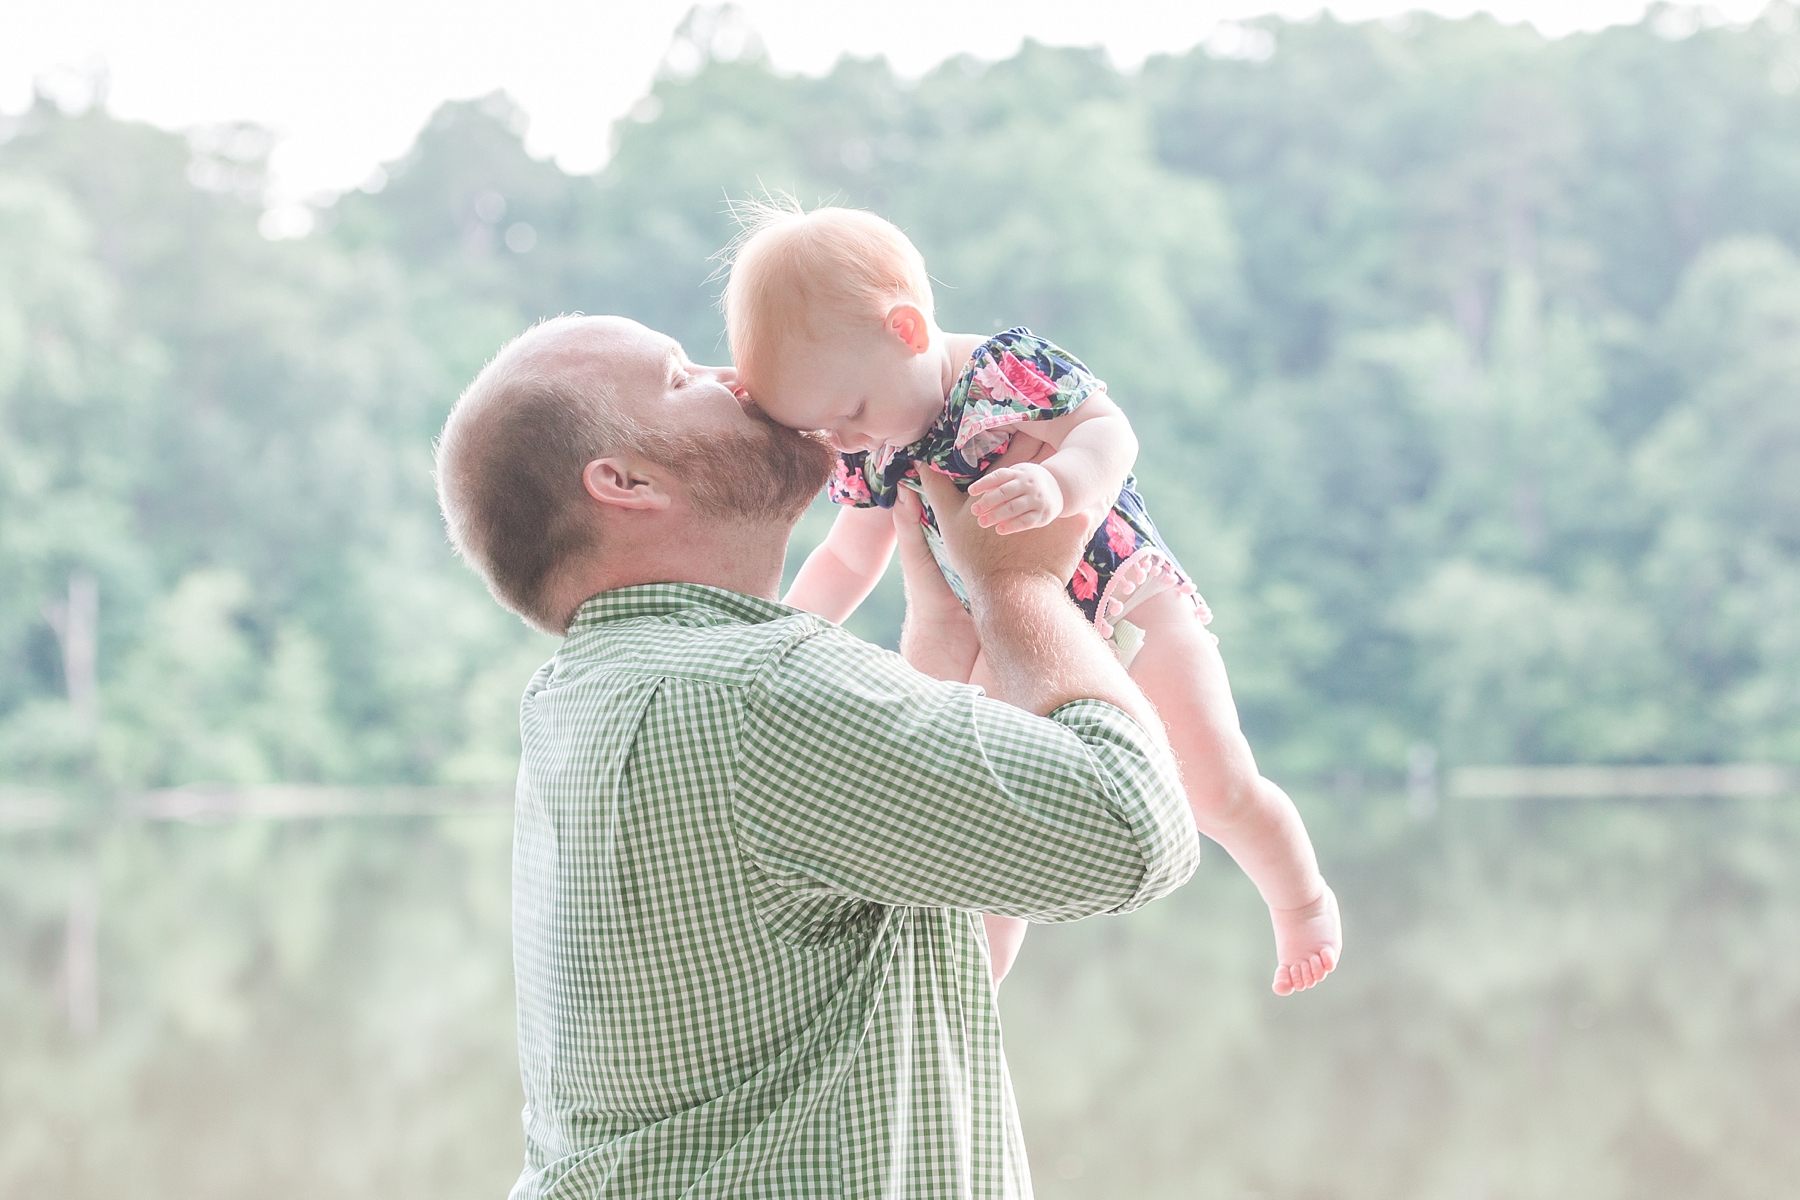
{"points": [[749, 857]]}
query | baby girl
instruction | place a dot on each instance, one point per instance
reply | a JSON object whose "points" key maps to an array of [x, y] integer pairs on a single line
{"points": [[830, 318]]}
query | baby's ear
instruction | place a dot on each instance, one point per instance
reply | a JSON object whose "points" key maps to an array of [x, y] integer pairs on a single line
{"points": [[908, 323]]}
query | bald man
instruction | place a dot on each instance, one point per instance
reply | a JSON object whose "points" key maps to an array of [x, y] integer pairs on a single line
{"points": [[750, 849]]}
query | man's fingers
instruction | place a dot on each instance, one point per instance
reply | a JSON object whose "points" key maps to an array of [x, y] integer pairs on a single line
{"points": [[909, 524], [940, 492]]}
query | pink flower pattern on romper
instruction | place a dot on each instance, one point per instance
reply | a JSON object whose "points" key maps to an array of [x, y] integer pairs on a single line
{"points": [[1122, 538], [848, 487], [1011, 376], [1012, 379], [1086, 582]]}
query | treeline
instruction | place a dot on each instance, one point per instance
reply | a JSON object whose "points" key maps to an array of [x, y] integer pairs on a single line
{"points": [[1466, 364]]}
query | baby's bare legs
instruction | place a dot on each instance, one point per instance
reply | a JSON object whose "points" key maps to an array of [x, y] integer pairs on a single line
{"points": [[1182, 674]]}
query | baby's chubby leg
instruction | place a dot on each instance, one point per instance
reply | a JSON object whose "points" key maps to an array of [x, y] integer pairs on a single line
{"points": [[1182, 674]]}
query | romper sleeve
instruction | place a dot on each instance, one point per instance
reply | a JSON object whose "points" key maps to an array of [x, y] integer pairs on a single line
{"points": [[849, 482], [1017, 377]]}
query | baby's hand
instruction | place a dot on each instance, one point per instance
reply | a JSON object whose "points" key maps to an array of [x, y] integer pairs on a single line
{"points": [[1308, 944], [1016, 498]]}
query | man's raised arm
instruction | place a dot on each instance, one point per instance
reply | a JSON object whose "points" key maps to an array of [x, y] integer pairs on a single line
{"points": [[863, 778]]}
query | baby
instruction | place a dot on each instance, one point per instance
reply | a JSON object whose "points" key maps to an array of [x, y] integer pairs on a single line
{"points": [[830, 318]]}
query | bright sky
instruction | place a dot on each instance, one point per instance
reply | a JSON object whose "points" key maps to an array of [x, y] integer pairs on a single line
{"points": [[345, 84]]}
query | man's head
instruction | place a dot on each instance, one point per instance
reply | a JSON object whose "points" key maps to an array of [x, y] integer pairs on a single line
{"points": [[590, 449]]}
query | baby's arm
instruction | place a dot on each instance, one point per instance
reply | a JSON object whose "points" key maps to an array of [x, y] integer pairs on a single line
{"points": [[1093, 449], [841, 573]]}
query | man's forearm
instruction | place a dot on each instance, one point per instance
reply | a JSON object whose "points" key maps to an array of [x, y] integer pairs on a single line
{"points": [[1042, 654], [931, 650]]}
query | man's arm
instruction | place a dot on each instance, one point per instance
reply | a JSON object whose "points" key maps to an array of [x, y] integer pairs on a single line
{"points": [[861, 777], [1042, 652]]}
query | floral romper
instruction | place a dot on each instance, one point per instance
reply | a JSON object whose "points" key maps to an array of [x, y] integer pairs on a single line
{"points": [[1015, 377]]}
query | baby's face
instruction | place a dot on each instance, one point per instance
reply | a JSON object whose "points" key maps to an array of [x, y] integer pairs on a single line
{"points": [[861, 396]]}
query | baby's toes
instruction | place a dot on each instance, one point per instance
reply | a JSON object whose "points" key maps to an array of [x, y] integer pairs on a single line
{"points": [[1283, 984]]}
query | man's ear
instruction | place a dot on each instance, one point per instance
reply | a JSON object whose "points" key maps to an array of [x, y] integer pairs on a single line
{"points": [[908, 323], [623, 484]]}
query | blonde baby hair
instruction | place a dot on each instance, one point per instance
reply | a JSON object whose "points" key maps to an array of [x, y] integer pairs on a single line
{"points": [[797, 275]]}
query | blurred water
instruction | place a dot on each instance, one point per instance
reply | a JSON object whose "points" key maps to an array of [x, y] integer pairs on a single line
{"points": [[1536, 1000]]}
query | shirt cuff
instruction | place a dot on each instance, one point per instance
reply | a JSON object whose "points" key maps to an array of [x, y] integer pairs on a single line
{"points": [[1142, 786]]}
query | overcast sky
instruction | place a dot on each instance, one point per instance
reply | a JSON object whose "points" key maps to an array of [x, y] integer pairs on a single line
{"points": [[346, 84]]}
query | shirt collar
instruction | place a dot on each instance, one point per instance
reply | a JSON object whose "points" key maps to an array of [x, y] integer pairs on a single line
{"points": [[668, 599]]}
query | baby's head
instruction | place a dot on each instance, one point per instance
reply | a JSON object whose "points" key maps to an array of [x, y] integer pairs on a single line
{"points": [[830, 318]]}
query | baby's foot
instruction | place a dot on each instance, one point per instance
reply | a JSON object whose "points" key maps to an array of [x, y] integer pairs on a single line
{"points": [[1308, 942]]}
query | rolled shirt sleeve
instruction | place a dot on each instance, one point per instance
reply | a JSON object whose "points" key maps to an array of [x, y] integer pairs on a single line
{"points": [[863, 778]]}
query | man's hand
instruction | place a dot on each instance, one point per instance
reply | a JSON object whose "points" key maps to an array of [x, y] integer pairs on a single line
{"points": [[1014, 499], [1040, 651], [976, 553], [939, 635]]}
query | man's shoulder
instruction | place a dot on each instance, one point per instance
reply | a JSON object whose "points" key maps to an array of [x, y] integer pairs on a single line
{"points": [[694, 647]]}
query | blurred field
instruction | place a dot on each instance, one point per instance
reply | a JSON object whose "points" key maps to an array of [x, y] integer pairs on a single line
{"points": [[1538, 1000]]}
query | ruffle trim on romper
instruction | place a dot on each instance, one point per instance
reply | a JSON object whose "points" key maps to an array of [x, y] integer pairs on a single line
{"points": [[1148, 572]]}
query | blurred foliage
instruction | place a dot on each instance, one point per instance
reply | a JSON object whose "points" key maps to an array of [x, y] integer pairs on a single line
{"points": [[1467, 371]]}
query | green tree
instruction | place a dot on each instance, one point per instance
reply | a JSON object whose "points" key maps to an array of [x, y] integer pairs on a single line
{"points": [[1720, 468]]}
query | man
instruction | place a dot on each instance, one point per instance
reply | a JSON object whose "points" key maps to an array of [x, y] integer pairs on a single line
{"points": [[750, 848]]}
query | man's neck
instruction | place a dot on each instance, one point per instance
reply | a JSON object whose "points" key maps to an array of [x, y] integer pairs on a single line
{"points": [[737, 556]]}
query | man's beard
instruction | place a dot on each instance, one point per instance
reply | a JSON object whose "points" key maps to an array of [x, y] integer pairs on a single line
{"points": [[763, 475]]}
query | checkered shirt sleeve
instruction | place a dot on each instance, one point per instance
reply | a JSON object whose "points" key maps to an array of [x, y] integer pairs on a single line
{"points": [[862, 778]]}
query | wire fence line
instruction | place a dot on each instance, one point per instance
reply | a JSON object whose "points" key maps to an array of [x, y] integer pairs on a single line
{"points": [[23, 809]]}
